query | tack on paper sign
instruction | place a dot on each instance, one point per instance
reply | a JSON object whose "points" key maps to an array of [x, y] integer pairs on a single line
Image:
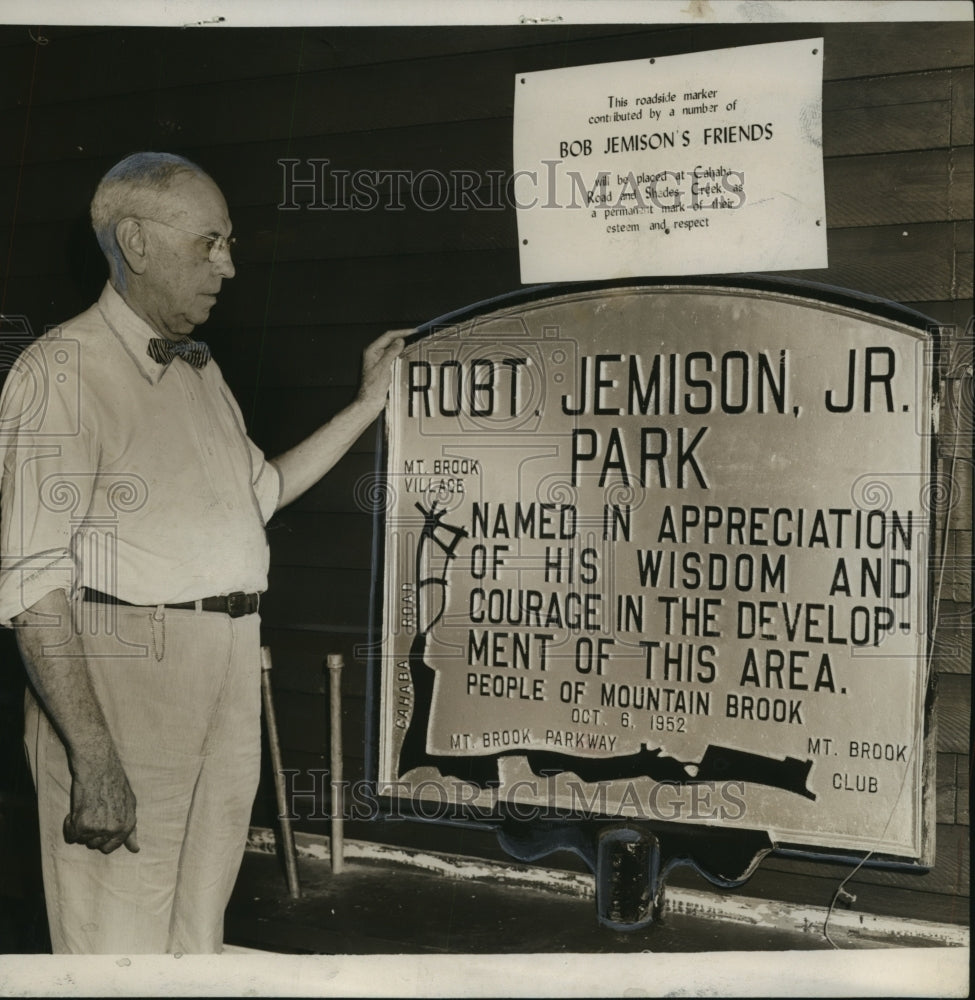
{"points": [[706, 163], [661, 553]]}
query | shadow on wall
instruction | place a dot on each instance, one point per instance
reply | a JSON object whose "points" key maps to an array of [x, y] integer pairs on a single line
{"points": [[23, 921], [83, 261]]}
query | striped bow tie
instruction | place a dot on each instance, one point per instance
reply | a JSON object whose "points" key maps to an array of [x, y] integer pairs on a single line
{"points": [[193, 352]]}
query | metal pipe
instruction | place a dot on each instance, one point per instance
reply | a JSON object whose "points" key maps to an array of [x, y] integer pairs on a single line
{"points": [[335, 664], [284, 813]]}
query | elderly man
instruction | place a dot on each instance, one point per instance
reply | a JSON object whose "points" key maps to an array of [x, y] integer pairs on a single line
{"points": [[134, 554]]}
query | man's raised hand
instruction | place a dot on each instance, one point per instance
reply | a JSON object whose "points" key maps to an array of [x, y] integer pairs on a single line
{"points": [[377, 364]]}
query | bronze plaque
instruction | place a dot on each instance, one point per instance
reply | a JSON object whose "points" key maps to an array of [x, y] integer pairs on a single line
{"points": [[661, 552]]}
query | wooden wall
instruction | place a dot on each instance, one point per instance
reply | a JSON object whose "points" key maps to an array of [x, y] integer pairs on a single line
{"points": [[314, 287]]}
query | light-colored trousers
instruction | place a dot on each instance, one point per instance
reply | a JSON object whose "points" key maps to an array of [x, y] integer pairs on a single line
{"points": [[181, 694]]}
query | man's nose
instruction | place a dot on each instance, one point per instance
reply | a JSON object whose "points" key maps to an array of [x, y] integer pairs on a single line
{"points": [[224, 265]]}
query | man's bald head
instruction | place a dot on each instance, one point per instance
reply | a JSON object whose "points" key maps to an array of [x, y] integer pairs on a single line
{"points": [[136, 187]]}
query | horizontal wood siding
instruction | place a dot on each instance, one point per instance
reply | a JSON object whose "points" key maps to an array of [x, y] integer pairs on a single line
{"points": [[315, 286]]}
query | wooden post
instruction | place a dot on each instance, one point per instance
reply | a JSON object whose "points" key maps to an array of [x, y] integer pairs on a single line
{"points": [[284, 812]]}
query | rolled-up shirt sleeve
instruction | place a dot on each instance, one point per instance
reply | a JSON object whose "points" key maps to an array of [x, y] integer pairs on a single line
{"points": [[265, 477], [48, 478], [266, 480]]}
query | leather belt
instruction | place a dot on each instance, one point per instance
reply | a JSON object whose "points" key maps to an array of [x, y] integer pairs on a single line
{"points": [[236, 605]]}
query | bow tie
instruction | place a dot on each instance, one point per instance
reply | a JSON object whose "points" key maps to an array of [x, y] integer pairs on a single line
{"points": [[193, 352]]}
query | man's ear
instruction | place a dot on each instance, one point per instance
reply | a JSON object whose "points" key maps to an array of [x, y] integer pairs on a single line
{"points": [[132, 242]]}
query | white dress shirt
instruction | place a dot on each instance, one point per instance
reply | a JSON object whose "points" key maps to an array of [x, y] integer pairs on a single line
{"points": [[120, 474]]}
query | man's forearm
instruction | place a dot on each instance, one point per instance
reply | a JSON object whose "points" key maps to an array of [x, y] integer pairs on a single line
{"points": [[62, 681], [102, 814], [305, 464]]}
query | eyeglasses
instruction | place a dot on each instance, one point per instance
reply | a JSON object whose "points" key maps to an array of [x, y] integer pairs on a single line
{"points": [[216, 245]]}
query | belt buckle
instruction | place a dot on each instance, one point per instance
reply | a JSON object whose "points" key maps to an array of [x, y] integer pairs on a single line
{"points": [[238, 604]]}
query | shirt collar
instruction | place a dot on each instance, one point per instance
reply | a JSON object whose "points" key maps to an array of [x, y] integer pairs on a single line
{"points": [[133, 333]]}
